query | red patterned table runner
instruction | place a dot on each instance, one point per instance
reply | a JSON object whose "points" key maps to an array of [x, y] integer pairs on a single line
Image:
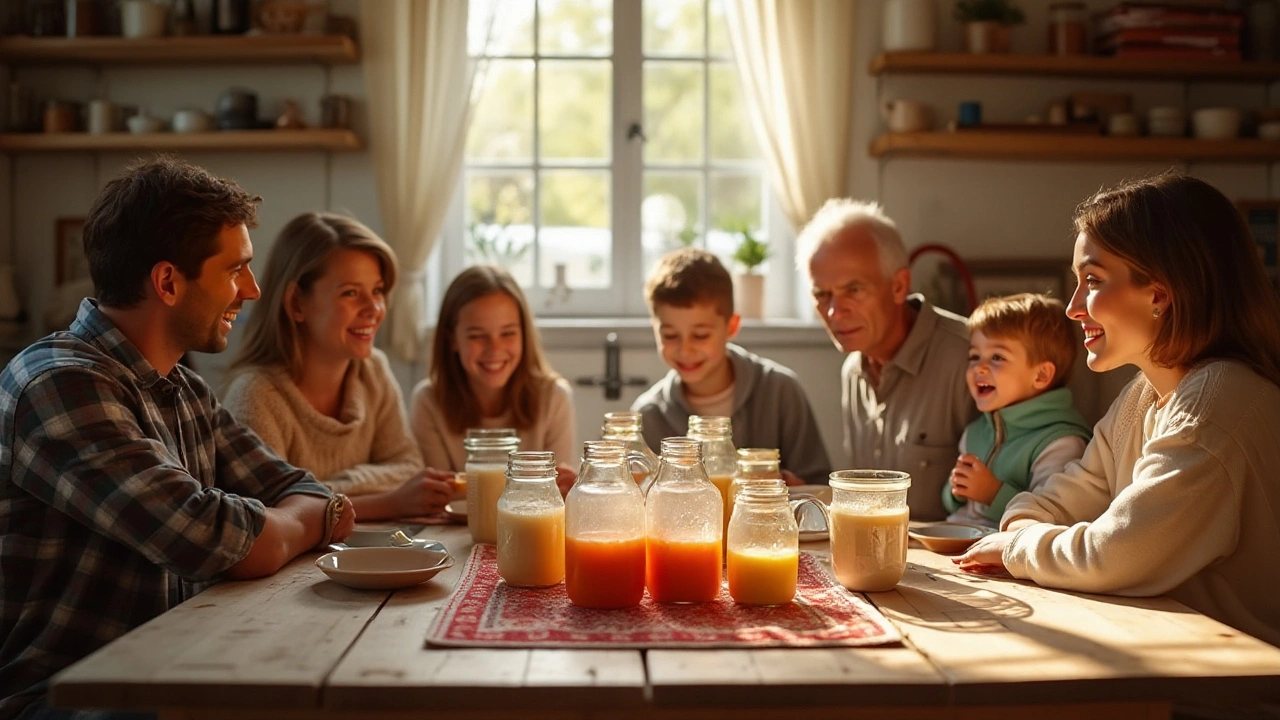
{"points": [[486, 612]]}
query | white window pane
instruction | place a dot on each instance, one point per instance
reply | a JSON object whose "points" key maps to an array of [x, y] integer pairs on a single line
{"points": [[674, 27], [671, 214], [574, 109], [575, 228], [502, 127], [575, 27], [731, 136], [500, 27], [718, 39], [500, 221], [673, 112]]}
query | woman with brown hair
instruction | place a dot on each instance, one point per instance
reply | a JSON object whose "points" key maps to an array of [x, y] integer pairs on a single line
{"points": [[488, 371], [1179, 491]]}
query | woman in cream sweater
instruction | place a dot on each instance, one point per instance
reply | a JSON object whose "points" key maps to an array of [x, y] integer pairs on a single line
{"points": [[310, 383], [1179, 491]]}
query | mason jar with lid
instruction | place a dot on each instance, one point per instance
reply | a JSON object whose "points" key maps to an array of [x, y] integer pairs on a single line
{"points": [[719, 458], [486, 478], [683, 527], [530, 522], [1068, 34], [763, 545], [604, 530], [626, 428]]}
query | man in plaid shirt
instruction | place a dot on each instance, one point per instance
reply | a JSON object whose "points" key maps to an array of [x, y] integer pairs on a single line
{"points": [[123, 482]]}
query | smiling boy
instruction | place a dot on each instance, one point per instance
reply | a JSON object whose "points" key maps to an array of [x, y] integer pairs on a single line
{"points": [[1021, 349], [690, 296]]}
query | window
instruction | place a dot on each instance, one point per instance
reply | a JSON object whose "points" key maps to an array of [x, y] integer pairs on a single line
{"points": [[607, 133]]}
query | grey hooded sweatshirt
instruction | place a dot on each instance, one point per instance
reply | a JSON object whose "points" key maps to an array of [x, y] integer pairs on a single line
{"points": [[770, 410]]}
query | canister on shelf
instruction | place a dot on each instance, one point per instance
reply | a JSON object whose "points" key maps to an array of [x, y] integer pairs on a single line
{"points": [[1067, 31]]}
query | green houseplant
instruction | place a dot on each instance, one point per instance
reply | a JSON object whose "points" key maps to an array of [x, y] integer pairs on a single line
{"points": [[748, 285], [988, 24], [751, 251]]}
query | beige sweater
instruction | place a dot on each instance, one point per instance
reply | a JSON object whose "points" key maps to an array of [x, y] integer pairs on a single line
{"points": [[1183, 500], [443, 449], [367, 449]]}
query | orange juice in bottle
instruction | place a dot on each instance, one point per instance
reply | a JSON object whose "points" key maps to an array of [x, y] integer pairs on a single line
{"points": [[683, 527], [763, 544], [604, 530], [719, 459], [530, 522]]}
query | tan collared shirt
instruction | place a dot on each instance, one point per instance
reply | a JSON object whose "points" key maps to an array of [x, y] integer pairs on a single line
{"points": [[912, 420]]}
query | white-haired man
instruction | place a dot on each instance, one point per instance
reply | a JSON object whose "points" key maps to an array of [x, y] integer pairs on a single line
{"points": [[903, 384]]}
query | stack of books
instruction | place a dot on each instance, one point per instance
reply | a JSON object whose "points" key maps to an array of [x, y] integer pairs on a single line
{"points": [[1193, 31]]}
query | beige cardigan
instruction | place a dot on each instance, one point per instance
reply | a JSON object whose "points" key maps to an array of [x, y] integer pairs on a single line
{"points": [[442, 448], [367, 449], [1183, 500]]}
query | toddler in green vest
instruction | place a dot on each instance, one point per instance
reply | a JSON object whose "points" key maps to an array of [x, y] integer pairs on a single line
{"points": [[1021, 350]]}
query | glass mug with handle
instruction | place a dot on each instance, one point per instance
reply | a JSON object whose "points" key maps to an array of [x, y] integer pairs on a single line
{"points": [[867, 523]]}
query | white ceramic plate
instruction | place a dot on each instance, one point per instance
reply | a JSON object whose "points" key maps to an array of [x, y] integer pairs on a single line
{"points": [[383, 568], [456, 511], [378, 535], [948, 538], [812, 527]]}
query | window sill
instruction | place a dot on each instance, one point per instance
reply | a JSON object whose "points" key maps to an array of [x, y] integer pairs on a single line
{"points": [[569, 333]]}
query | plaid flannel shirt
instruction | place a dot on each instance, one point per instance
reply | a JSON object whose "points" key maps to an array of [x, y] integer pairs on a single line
{"points": [[116, 486]]}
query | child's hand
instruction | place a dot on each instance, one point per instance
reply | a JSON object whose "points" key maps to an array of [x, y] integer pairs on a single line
{"points": [[971, 479], [565, 478], [791, 478]]}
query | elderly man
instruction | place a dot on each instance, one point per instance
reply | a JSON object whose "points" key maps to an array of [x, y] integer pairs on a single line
{"points": [[904, 394]]}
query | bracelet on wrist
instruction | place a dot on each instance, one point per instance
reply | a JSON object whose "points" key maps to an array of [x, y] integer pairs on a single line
{"points": [[332, 514]]}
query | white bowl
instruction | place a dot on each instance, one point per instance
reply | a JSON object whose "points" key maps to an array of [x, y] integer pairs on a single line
{"points": [[948, 537], [141, 124], [1220, 123], [383, 568]]}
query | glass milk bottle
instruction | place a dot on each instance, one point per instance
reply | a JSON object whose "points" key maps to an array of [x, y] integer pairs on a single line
{"points": [[754, 464], [719, 459], [867, 523], [626, 427], [531, 522], [763, 545], [486, 471], [683, 527], [604, 530]]}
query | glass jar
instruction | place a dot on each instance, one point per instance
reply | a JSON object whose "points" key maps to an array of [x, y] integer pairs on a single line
{"points": [[763, 545], [486, 478], [530, 522], [604, 530], [683, 527], [627, 427], [719, 459], [754, 464], [1068, 34], [867, 523]]}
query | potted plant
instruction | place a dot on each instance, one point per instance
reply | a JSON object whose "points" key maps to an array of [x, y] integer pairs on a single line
{"points": [[748, 285], [988, 24], [491, 244]]}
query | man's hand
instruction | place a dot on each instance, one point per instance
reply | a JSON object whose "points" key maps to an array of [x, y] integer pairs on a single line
{"points": [[971, 479]]}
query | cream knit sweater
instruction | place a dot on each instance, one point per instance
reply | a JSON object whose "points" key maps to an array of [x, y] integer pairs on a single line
{"points": [[366, 449], [442, 448], [1183, 500]]}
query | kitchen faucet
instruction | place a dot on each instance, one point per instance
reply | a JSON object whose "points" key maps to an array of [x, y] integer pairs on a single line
{"points": [[612, 379]]}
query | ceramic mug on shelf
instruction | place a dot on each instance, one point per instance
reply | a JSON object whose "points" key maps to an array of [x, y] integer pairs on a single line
{"points": [[906, 115], [910, 25], [192, 121], [1122, 125], [1216, 123], [142, 18], [101, 117]]}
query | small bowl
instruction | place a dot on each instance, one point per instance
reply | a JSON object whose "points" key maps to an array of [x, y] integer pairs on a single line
{"points": [[1219, 123], [142, 124], [948, 538], [456, 511], [376, 535], [383, 568]]}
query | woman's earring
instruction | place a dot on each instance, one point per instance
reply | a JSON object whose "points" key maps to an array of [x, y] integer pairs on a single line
{"points": [[1155, 312]]}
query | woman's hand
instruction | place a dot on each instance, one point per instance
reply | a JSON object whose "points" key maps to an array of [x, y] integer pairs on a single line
{"points": [[986, 555], [423, 494], [972, 480], [791, 479], [565, 478]]}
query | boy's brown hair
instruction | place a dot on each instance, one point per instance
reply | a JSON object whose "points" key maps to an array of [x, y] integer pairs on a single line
{"points": [[1039, 322], [687, 277]]}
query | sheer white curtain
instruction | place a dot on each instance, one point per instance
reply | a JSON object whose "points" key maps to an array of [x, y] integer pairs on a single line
{"points": [[418, 80], [795, 60]]}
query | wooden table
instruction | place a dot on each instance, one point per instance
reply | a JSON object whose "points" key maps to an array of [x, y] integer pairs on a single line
{"points": [[296, 645]]}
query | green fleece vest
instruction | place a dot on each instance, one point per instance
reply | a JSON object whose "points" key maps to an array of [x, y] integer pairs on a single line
{"points": [[1010, 440]]}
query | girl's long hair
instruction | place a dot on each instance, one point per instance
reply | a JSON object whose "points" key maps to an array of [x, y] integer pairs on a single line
{"points": [[1186, 235], [298, 258], [531, 382]]}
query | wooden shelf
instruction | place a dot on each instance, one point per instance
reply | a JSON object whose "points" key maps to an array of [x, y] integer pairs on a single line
{"points": [[1071, 66], [1083, 148], [198, 49], [264, 140]]}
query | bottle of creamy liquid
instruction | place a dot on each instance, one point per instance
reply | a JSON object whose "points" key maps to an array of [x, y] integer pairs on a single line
{"points": [[719, 458], [487, 451], [531, 522]]}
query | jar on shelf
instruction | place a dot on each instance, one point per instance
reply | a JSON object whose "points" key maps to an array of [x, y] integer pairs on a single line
{"points": [[1068, 32], [719, 458], [486, 470], [530, 522], [604, 530], [683, 527], [626, 428], [763, 546]]}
